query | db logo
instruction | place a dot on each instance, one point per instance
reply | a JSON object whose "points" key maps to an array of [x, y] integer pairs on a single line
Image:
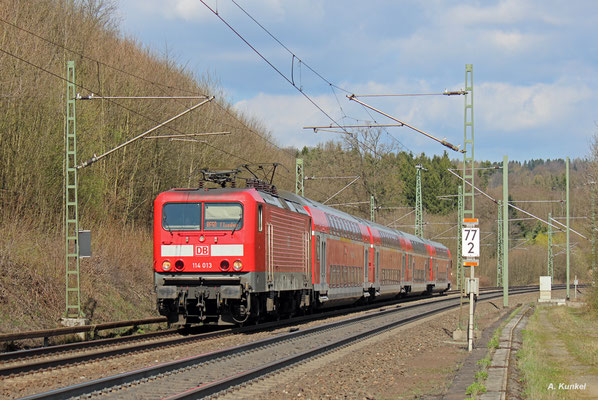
{"points": [[202, 251]]}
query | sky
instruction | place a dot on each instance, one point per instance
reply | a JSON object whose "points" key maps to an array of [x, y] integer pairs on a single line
{"points": [[535, 67]]}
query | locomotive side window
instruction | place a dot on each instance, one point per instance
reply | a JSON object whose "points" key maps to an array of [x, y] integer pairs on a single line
{"points": [[181, 216], [260, 217], [223, 216]]}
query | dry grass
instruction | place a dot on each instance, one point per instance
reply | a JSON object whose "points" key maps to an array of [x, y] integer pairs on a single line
{"points": [[116, 283], [538, 369]]}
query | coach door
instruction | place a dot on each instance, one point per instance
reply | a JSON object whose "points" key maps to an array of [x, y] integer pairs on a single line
{"points": [[306, 255], [323, 261], [403, 276], [366, 253], [377, 266], [428, 278]]}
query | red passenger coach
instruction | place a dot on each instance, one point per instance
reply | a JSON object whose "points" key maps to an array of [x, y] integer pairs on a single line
{"points": [[227, 255]]}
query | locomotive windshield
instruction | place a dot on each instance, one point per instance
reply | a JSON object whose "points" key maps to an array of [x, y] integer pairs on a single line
{"points": [[181, 216], [223, 216]]}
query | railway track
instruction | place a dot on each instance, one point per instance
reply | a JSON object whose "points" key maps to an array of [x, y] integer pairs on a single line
{"points": [[46, 358], [207, 374]]}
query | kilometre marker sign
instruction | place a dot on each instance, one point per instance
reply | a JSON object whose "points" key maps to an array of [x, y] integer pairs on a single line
{"points": [[470, 242]]}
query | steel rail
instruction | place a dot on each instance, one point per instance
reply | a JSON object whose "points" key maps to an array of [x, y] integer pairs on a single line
{"points": [[6, 370], [222, 385], [69, 347], [155, 371], [29, 367], [278, 324], [236, 380]]}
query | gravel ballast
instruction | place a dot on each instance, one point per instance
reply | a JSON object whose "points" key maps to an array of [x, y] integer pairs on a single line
{"points": [[407, 362]]}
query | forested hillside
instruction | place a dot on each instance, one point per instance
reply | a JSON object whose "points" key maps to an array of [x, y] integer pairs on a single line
{"points": [[537, 187], [38, 38], [116, 194]]}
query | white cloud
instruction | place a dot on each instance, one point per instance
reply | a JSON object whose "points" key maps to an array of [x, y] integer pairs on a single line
{"points": [[516, 108], [512, 41], [502, 12], [286, 115]]}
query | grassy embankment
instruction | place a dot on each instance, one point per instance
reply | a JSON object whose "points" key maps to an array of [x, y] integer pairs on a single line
{"points": [[560, 346], [116, 282]]}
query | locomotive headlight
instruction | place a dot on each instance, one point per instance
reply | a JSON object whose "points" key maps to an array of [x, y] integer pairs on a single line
{"points": [[237, 265], [179, 265], [166, 266]]}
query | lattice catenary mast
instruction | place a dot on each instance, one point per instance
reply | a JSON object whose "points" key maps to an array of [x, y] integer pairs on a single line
{"points": [[71, 212]]}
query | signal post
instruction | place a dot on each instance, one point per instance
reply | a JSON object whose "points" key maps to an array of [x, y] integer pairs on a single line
{"points": [[471, 253]]}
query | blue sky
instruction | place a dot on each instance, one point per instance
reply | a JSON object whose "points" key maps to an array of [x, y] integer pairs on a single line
{"points": [[535, 66]]}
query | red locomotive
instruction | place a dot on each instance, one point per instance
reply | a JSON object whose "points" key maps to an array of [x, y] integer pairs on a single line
{"points": [[228, 255]]}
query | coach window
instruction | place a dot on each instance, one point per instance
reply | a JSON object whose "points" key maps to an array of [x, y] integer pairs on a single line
{"points": [[260, 217], [330, 224], [335, 229]]}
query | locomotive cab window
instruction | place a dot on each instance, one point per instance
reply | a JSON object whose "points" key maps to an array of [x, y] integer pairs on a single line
{"points": [[223, 216], [181, 216]]}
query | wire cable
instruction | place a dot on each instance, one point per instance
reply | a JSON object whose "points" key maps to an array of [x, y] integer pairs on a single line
{"points": [[286, 177], [239, 157], [95, 60], [287, 49], [271, 65], [154, 83]]}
